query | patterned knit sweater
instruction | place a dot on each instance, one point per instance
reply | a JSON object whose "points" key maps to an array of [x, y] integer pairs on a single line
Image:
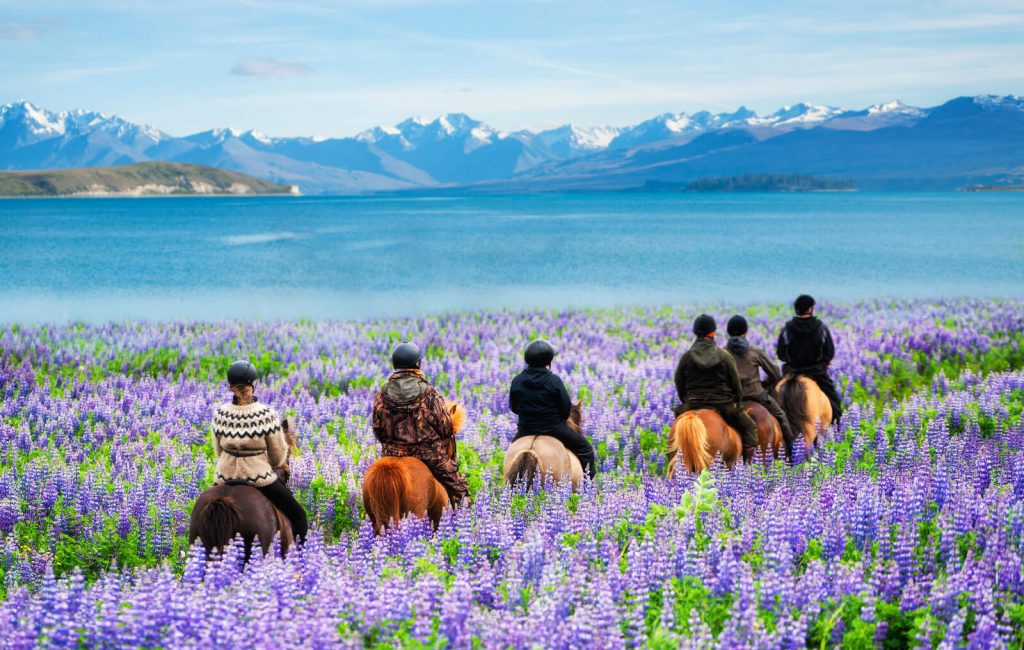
{"points": [[249, 443]]}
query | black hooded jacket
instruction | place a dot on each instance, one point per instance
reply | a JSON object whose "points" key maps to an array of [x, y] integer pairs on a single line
{"points": [[805, 346], [706, 373], [540, 399]]}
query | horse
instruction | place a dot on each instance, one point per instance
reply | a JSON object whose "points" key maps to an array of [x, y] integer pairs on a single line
{"points": [[529, 456], [769, 431], [700, 434], [806, 406], [396, 486], [223, 511]]}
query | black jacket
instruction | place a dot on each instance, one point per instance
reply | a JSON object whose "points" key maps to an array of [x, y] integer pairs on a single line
{"points": [[540, 399], [707, 373], [805, 346], [750, 361]]}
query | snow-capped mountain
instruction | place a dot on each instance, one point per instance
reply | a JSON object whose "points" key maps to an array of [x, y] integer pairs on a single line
{"points": [[457, 150]]}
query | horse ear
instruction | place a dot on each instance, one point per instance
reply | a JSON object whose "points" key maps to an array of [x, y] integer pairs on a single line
{"points": [[453, 407]]}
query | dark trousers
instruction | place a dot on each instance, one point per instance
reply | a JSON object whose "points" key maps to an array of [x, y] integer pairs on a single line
{"points": [[282, 498], [773, 407], [734, 416], [824, 382], [574, 442]]}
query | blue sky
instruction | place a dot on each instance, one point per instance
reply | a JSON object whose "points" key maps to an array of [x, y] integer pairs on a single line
{"points": [[336, 68]]}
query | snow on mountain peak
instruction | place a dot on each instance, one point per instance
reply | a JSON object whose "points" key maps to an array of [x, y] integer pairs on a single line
{"points": [[997, 101]]}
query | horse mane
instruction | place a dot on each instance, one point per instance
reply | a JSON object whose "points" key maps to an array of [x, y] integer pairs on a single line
{"points": [[217, 523], [458, 413], [794, 401], [575, 420], [524, 468], [382, 492], [690, 437]]}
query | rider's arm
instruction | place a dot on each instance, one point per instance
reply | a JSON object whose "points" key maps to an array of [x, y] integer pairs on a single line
{"points": [[377, 418], [564, 403], [734, 377], [828, 349], [216, 441], [769, 367], [513, 395], [277, 445], [782, 347], [680, 380]]}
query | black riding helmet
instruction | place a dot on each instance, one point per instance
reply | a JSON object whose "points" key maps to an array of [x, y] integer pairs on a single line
{"points": [[242, 373], [539, 353], [405, 355], [737, 326], [704, 325]]}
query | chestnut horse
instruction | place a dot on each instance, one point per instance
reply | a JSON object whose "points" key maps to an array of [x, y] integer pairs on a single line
{"points": [[530, 456], [223, 511], [396, 486], [699, 435], [806, 406]]}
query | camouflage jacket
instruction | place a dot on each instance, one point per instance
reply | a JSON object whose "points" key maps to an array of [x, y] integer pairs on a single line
{"points": [[409, 418]]}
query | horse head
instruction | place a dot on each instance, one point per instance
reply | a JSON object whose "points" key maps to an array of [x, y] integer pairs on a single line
{"points": [[575, 420]]}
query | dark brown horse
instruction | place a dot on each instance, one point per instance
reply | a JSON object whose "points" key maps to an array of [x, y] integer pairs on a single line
{"points": [[544, 457], [397, 486], [769, 432], [224, 511]]}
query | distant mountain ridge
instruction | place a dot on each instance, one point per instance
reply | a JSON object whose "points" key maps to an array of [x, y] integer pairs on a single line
{"points": [[138, 179], [965, 141]]}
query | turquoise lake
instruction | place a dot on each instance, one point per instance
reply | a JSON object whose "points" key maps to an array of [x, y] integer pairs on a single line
{"points": [[318, 257]]}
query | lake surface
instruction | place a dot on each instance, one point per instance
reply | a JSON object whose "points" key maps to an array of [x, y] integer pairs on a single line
{"points": [[318, 257]]}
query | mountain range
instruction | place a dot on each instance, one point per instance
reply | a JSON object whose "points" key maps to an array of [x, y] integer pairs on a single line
{"points": [[965, 141]]}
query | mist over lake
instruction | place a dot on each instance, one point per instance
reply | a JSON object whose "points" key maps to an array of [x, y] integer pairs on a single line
{"points": [[335, 257]]}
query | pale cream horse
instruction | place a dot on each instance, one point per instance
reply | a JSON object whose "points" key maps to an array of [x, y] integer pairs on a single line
{"points": [[544, 458]]}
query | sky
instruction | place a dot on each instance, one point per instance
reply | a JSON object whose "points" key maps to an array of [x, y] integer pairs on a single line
{"points": [[336, 68]]}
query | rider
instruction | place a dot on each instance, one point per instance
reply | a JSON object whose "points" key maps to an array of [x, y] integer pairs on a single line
{"points": [[805, 347], [410, 419], [750, 361], [706, 377], [251, 446], [538, 396]]}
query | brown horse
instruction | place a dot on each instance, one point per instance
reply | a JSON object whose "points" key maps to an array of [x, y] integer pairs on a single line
{"points": [[806, 406], [397, 486], [769, 432], [702, 433], [224, 511], [698, 435], [530, 456]]}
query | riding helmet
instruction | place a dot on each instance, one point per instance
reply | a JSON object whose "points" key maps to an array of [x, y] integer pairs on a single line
{"points": [[405, 355], [704, 325], [803, 303], [737, 326], [242, 373], [539, 353]]}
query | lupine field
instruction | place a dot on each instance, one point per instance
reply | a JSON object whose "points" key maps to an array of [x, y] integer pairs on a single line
{"points": [[905, 528]]}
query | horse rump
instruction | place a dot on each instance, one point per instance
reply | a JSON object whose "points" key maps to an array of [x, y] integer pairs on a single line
{"points": [[217, 523], [689, 436], [524, 469], [382, 493], [794, 401]]}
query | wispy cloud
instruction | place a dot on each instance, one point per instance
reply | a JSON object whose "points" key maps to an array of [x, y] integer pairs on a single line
{"points": [[269, 68], [19, 32]]}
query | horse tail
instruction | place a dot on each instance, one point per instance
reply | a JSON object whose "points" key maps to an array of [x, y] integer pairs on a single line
{"points": [[691, 438], [382, 493], [524, 468], [794, 402], [218, 522]]}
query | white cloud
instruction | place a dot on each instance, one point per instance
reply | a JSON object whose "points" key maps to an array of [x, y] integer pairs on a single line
{"points": [[18, 32], [269, 68]]}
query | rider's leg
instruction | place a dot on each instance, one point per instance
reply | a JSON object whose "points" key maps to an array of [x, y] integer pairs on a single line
{"points": [[447, 474], [825, 384], [738, 419], [285, 501], [780, 415], [579, 445]]}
